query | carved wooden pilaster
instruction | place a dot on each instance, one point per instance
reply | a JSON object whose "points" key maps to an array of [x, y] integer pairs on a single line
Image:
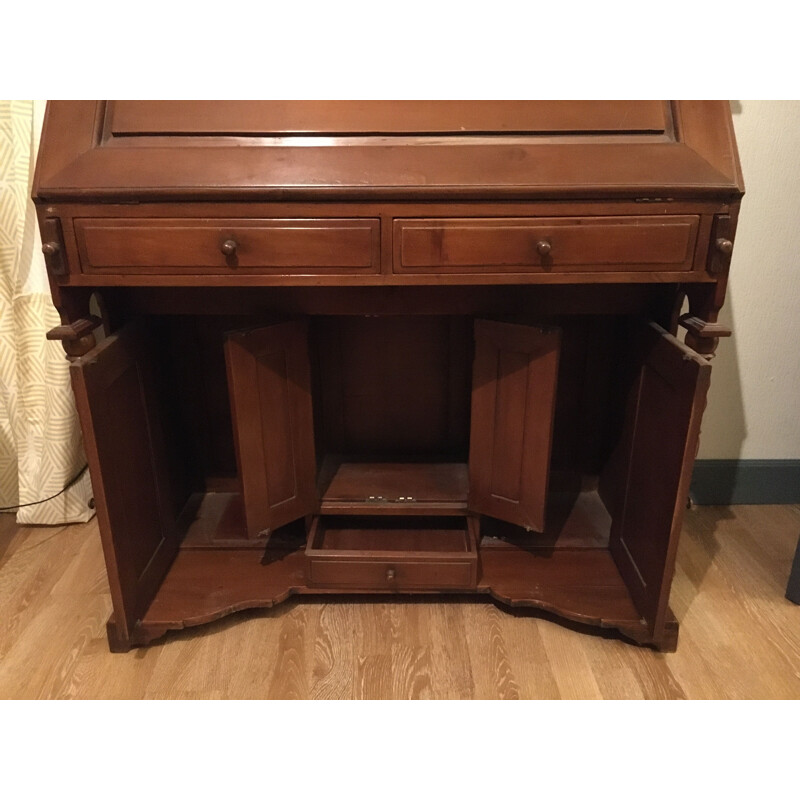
{"points": [[706, 299]]}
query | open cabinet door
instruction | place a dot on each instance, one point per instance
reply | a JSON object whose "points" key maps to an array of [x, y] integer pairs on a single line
{"points": [[513, 401], [140, 491], [269, 379], [659, 444]]}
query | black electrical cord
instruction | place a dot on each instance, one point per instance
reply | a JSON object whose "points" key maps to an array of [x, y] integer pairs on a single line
{"points": [[39, 502]]}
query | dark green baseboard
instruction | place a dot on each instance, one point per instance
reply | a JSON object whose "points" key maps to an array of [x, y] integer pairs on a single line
{"points": [[793, 589], [722, 482]]}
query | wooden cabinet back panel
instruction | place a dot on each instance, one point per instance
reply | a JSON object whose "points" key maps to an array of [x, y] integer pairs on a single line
{"points": [[271, 245], [571, 244]]}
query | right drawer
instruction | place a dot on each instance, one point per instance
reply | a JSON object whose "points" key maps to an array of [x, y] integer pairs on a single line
{"points": [[556, 244]]}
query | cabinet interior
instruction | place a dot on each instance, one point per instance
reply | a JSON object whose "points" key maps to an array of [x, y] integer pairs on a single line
{"points": [[391, 402]]}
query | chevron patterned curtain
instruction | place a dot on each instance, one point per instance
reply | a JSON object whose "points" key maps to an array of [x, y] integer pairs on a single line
{"points": [[40, 442]]}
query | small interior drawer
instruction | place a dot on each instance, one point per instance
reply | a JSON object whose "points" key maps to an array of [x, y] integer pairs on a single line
{"points": [[290, 246], [557, 244], [392, 553]]}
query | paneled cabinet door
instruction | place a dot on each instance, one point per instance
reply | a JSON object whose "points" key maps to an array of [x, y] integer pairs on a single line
{"points": [[139, 489], [513, 400], [269, 378], [658, 446]]}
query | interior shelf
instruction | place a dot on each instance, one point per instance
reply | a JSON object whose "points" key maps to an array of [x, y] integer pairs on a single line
{"points": [[574, 520], [393, 488]]}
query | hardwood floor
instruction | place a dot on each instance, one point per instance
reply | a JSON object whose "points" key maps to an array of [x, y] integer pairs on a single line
{"points": [[740, 638]]}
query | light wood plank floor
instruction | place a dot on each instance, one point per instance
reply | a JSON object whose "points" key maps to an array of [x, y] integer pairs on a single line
{"points": [[740, 638]]}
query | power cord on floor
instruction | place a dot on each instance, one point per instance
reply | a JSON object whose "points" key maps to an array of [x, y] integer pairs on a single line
{"points": [[39, 502]]}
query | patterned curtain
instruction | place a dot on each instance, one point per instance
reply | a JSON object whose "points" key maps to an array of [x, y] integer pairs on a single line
{"points": [[40, 441]]}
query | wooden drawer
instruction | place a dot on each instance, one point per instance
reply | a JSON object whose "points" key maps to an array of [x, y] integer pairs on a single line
{"points": [[394, 554], [558, 244], [278, 246]]}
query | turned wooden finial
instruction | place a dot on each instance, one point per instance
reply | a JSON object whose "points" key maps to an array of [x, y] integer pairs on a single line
{"points": [[77, 338], [703, 337]]}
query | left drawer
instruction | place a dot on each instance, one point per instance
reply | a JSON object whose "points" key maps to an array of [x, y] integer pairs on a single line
{"points": [[273, 246]]}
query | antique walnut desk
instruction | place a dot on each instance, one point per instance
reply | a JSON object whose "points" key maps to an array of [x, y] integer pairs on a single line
{"points": [[349, 348]]}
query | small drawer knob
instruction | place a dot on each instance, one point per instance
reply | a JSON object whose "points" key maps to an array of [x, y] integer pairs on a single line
{"points": [[725, 246], [228, 247], [390, 575], [50, 248], [543, 247]]}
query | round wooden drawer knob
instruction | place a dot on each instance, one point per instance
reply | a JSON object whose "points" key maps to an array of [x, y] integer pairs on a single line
{"points": [[725, 246], [543, 248], [50, 248], [228, 247], [390, 575]]}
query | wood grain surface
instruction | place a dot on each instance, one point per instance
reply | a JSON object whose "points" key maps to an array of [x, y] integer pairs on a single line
{"points": [[740, 638], [79, 160], [418, 195]]}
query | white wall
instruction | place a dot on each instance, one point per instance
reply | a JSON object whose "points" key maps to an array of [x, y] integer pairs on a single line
{"points": [[754, 402]]}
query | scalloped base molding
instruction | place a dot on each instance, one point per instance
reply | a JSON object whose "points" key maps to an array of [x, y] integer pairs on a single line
{"points": [[720, 482]]}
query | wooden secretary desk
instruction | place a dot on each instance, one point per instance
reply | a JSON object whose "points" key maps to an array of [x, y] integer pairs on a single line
{"points": [[343, 348]]}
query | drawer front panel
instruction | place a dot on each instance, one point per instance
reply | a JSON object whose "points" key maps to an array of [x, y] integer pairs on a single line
{"points": [[387, 574], [296, 247], [392, 553], [569, 244]]}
